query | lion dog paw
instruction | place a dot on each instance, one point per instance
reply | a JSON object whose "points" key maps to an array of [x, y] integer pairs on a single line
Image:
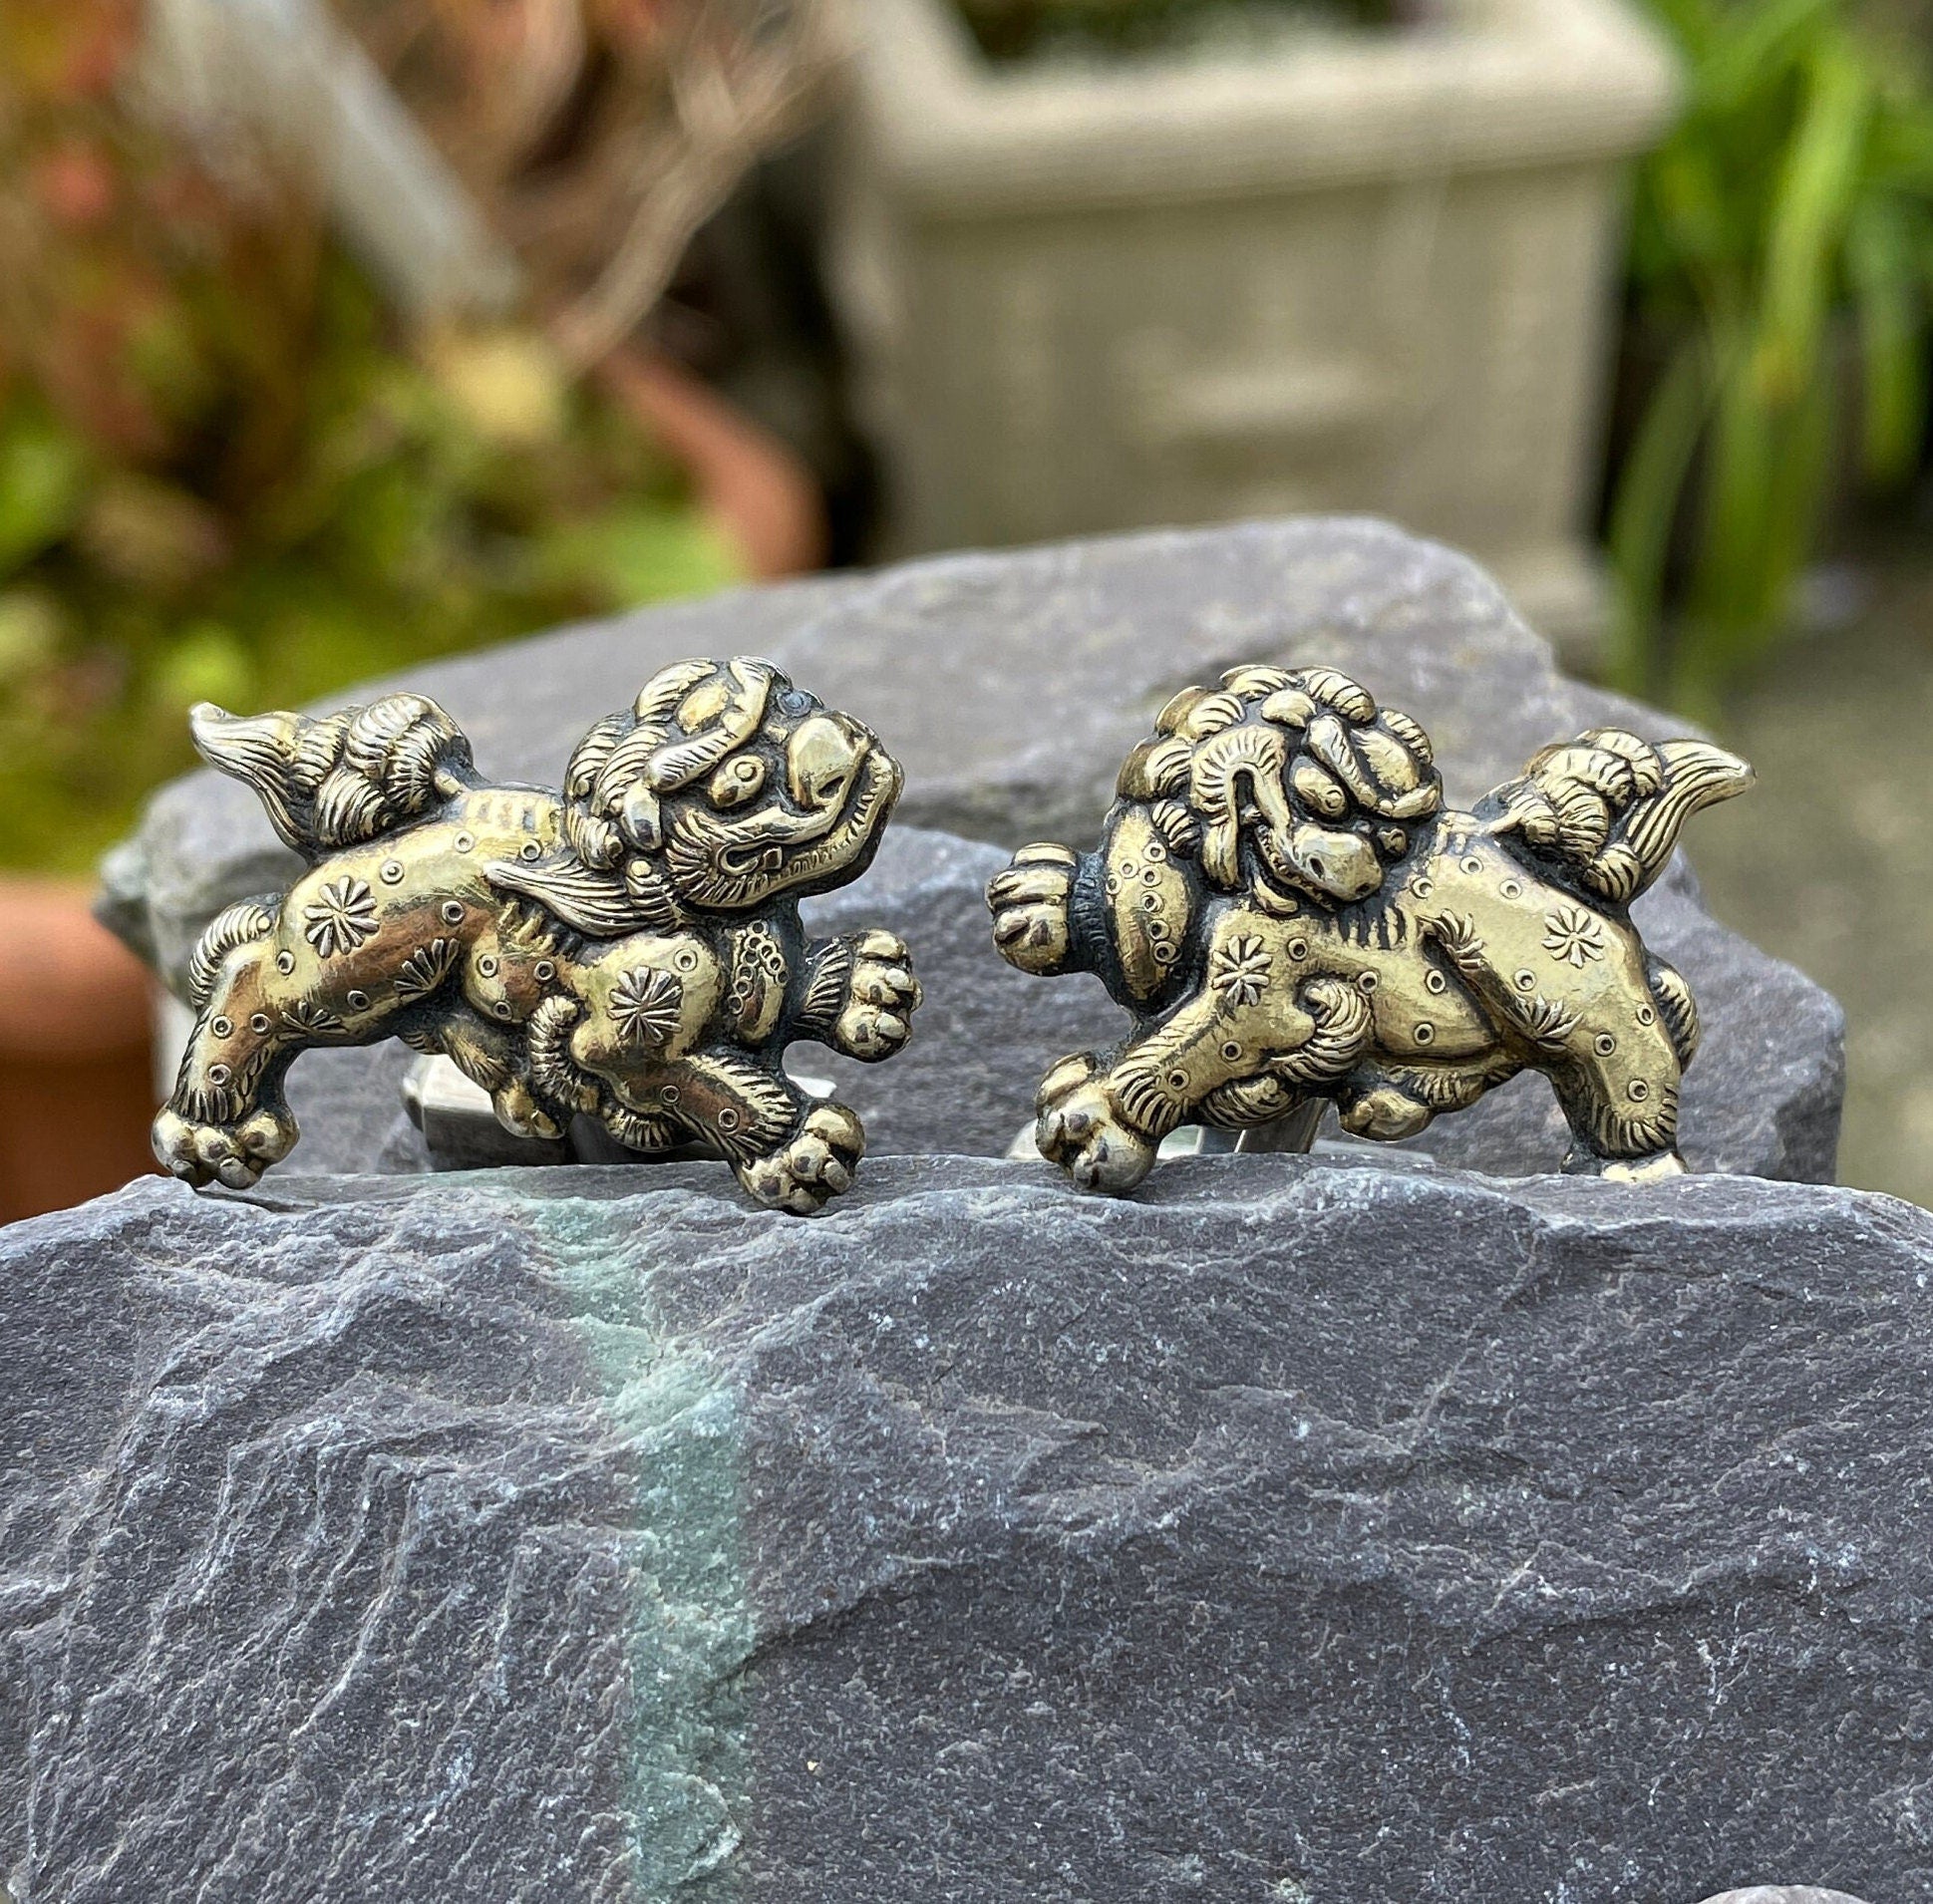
{"points": [[882, 997], [1080, 1129], [1029, 902], [231, 1153], [1384, 1112], [814, 1167]]}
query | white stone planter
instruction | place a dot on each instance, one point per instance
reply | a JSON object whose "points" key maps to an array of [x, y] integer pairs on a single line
{"points": [[1367, 272]]}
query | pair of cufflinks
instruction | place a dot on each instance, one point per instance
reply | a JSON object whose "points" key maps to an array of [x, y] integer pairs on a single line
{"points": [[1281, 901]]}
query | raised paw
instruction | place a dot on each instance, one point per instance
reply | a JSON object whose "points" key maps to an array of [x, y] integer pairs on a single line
{"points": [[882, 996], [1080, 1129], [813, 1166], [232, 1154], [1029, 903]]}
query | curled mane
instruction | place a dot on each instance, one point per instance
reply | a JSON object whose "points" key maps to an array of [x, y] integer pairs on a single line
{"points": [[1281, 750]]}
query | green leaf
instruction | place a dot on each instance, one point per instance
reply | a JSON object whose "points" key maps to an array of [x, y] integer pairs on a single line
{"points": [[1885, 280], [1902, 154], [42, 481], [1694, 23], [1797, 186], [29, 634], [637, 553], [1767, 476], [1700, 233], [1817, 190], [1650, 490], [1730, 579], [206, 663], [1797, 492], [1755, 45]]}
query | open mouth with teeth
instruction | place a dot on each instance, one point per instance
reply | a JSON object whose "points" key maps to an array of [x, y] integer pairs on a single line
{"points": [[839, 787], [1321, 860]]}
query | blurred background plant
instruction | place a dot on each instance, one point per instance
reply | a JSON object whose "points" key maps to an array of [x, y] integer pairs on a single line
{"points": [[232, 466], [1782, 260], [597, 136]]}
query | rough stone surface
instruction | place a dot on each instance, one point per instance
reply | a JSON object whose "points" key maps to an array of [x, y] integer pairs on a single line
{"points": [[349, 1104], [1782, 1894], [1296, 1530], [1763, 1098], [1010, 686]]}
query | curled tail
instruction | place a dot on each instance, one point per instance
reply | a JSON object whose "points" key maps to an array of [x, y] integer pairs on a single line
{"points": [[344, 779], [1607, 806]]}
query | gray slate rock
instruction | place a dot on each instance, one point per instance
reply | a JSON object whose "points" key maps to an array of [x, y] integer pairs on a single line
{"points": [[1762, 1100], [349, 1104], [1295, 1530], [1782, 1894], [1010, 686]]}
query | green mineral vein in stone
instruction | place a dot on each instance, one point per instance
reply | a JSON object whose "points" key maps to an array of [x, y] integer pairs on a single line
{"points": [[691, 1625]]}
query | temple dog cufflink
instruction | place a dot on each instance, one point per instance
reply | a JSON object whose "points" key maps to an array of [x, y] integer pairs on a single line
{"points": [[629, 951], [1293, 918]]}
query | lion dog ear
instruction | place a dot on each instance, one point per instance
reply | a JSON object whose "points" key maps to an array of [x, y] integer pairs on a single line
{"points": [[662, 693], [677, 765]]}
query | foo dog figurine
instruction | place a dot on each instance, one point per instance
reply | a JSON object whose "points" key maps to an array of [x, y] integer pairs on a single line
{"points": [[1290, 913], [629, 951]]}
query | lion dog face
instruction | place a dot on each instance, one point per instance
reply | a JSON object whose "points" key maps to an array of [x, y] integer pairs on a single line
{"points": [[1319, 784], [742, 787]]}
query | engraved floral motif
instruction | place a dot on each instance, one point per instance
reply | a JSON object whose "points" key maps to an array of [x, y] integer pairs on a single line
{"points": [[1456, 933], [645, 1005], [1573, 936], [1545, 1021], [426, 968], [1240, 972], [340, 917], [310, 1021]]}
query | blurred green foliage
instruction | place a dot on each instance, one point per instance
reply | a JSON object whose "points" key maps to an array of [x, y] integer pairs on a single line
{"points": [[1014, 29], [1783, 255], [225, 475]]}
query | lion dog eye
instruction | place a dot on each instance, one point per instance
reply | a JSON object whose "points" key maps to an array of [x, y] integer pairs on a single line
{"points": [[738, 781]]}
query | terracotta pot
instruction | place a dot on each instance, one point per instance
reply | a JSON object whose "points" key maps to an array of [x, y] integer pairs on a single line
{"points": [[758, 491], [76, 1055]]}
